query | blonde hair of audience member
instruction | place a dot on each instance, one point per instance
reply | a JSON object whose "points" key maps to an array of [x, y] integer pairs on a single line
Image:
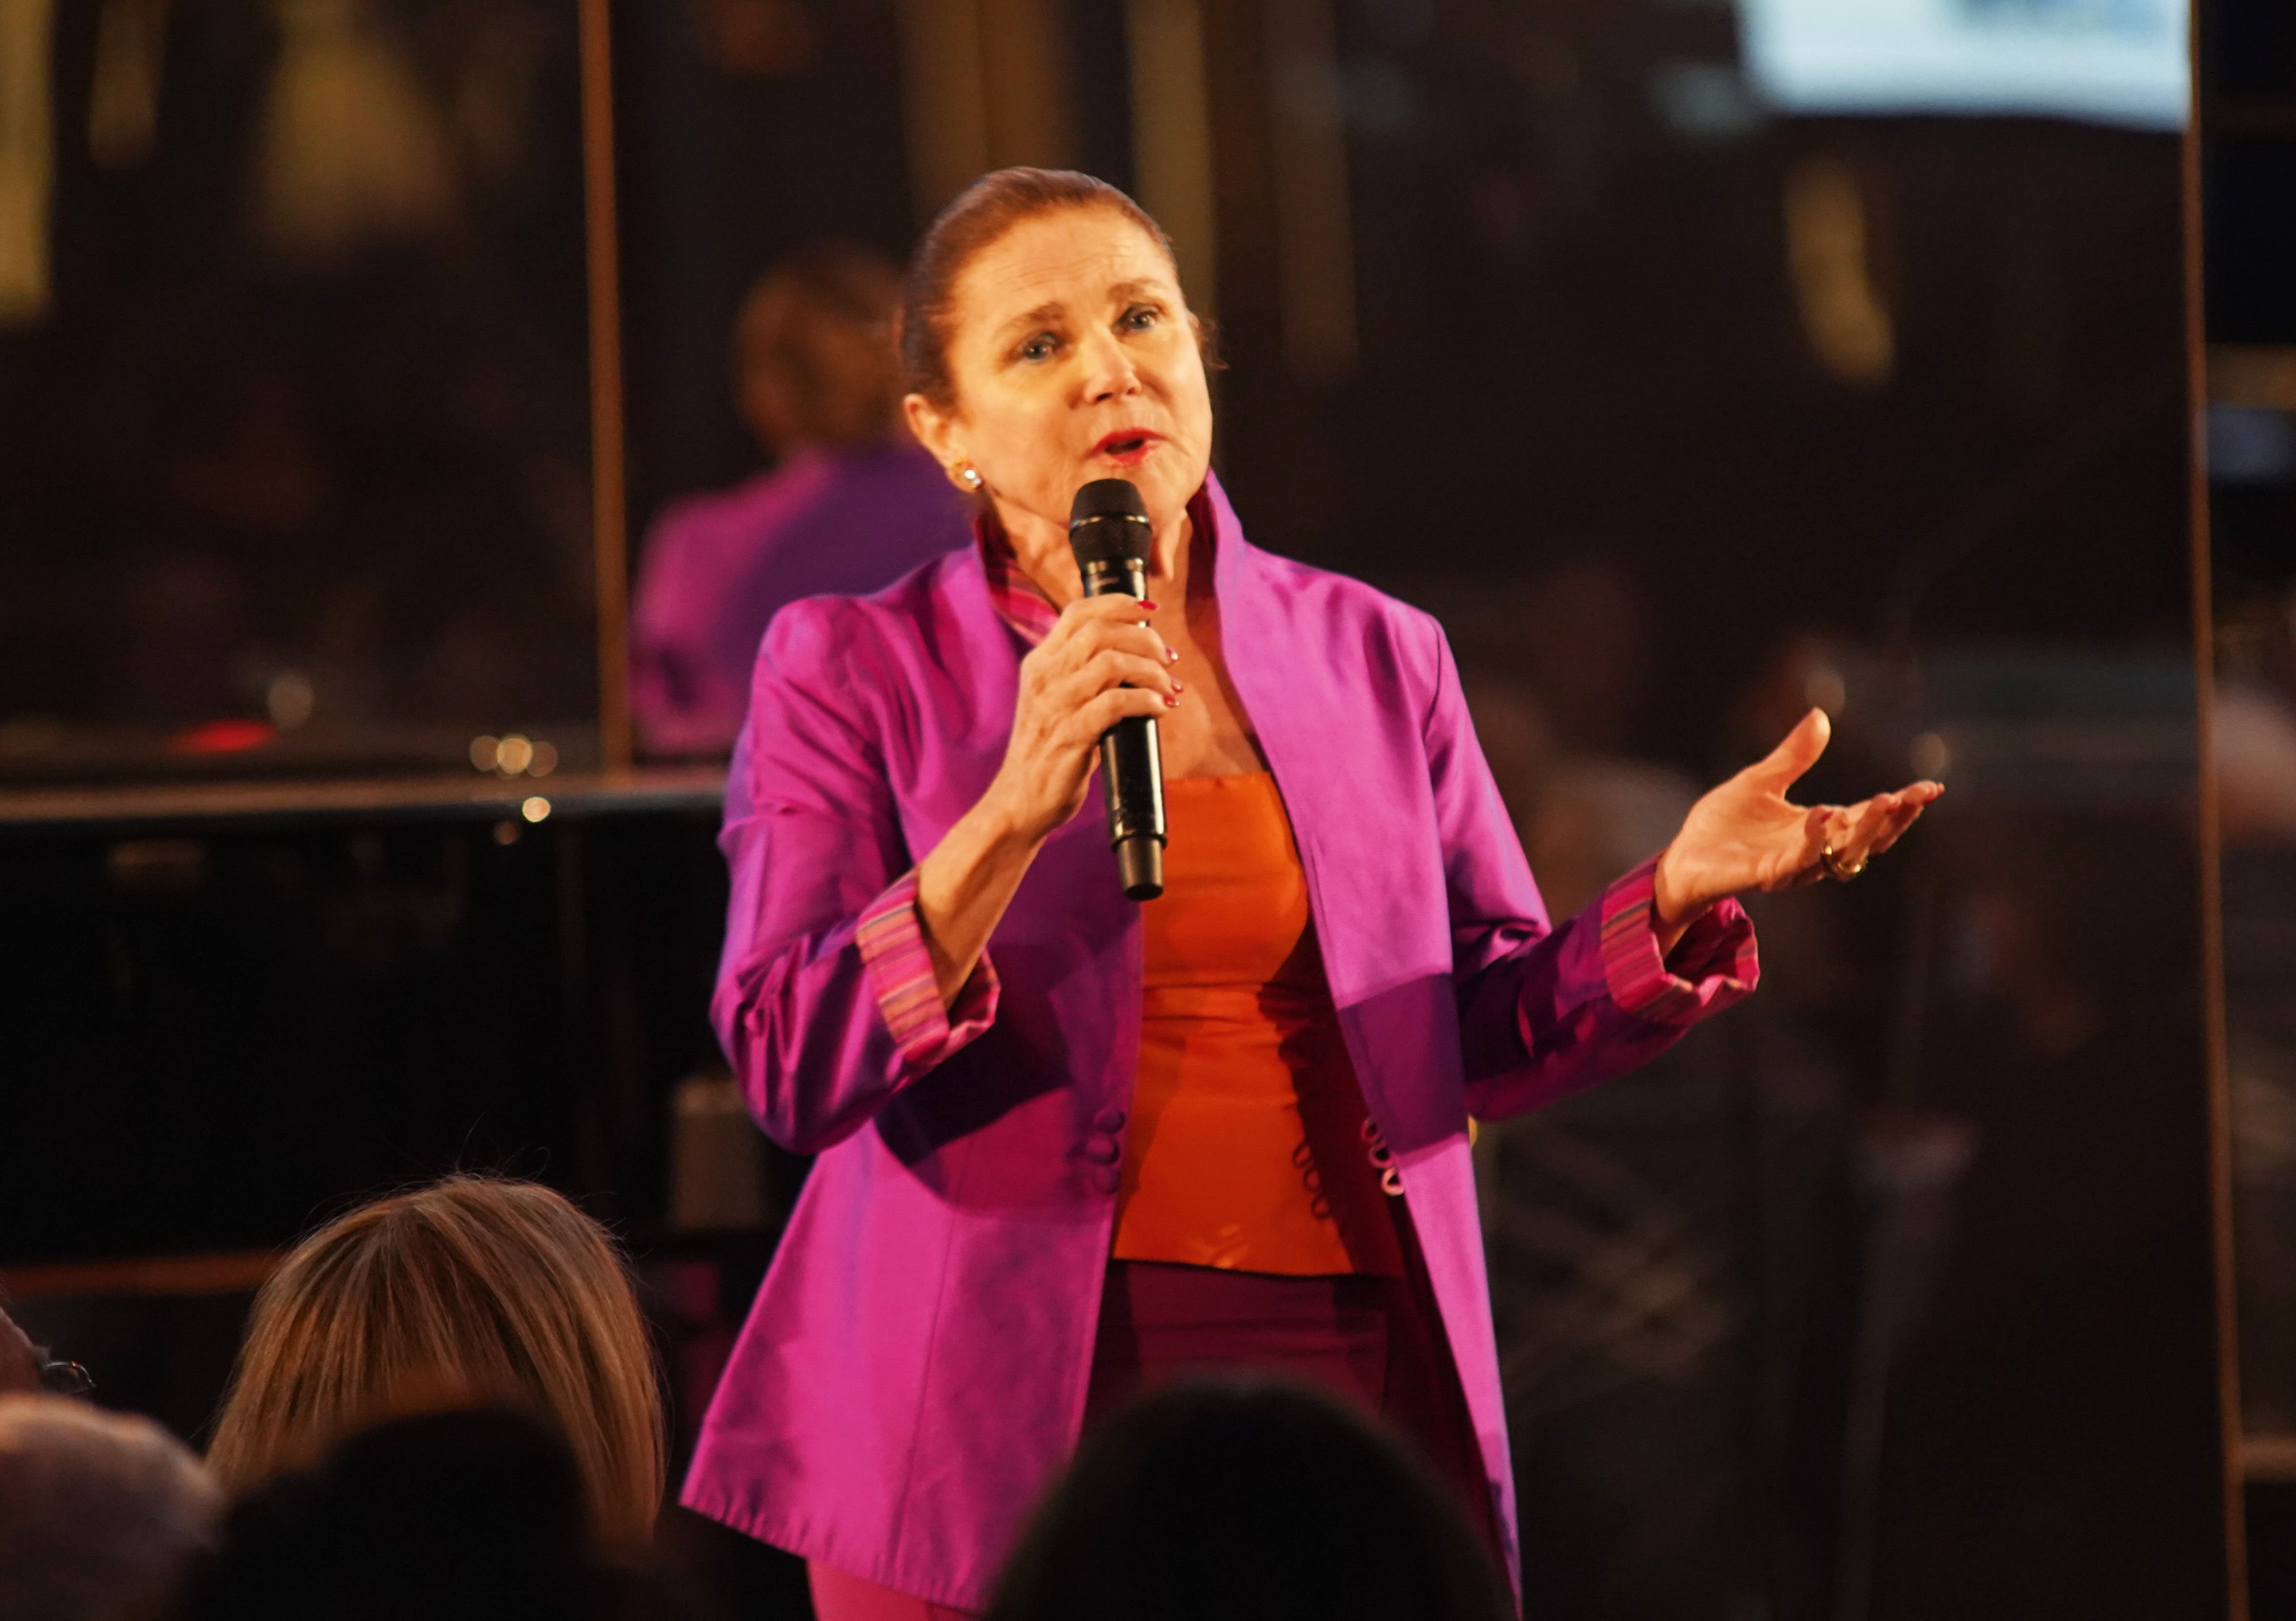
{"points": [[473, 1288], [100, 1513], [812, 349]]}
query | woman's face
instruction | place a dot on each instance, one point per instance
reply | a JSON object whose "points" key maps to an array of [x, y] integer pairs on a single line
{"points": [[1073, 358]]}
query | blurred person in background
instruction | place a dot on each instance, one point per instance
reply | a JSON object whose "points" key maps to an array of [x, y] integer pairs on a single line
{"points": [[850, 504], [477, 1515], [470, 1289], [1070, 1147], [100, 1513], [1248, 1500]]}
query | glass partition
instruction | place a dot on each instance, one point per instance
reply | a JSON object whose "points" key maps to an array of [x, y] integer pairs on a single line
{"points": [[1686, 407], [1689, 392], [2248, 130], [294, 420]]}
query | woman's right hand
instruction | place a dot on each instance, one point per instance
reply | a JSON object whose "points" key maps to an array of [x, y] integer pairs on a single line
{"points": [[1098, 665]]}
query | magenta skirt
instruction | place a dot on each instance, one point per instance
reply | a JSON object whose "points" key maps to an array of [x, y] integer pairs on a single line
{"points": [[1373, 1342]]}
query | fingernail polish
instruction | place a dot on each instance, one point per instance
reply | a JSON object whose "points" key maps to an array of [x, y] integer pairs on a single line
{"points": [[1178, 685], [1145, 604], [1172, 701], [1171, 655]]}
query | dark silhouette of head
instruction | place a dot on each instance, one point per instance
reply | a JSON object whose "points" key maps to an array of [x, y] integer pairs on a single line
{"points": [[459, 1515], [1246, 1500]]}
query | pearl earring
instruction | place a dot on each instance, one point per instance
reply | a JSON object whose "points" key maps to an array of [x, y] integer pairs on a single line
{"points": [[968, 475]]}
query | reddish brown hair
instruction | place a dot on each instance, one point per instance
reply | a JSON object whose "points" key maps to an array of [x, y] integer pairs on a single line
{"points": [[473, 1290], [982, 213]]}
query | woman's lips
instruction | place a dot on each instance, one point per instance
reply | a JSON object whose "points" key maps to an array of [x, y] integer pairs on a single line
{"points": [[1128, 446]]}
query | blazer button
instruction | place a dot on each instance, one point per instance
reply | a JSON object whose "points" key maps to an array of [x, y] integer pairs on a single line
{"points": [[1110, 1119], [1107, 1178], [1103, 1150]]}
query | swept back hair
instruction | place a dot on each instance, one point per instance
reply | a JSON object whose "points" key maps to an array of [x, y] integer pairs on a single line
{"points": [[474, 1289]]}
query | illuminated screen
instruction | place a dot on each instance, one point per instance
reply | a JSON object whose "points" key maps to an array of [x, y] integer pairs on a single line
{"points": [[2116, 62]]}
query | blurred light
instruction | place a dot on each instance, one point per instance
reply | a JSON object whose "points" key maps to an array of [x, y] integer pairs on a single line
{"points": [[2251, 444], [2113, 61], [290, 700], [535, 809], [1829, 254], [545, 760], [482, 753], [1929, 757], [506, 832], [351, 152], [223, 737], [1824, 689], [27, 160], [123, 111], [514, 754]]}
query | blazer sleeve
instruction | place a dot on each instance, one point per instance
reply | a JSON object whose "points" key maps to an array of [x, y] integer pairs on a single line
{"points": [[825, 1002], [1547, 1009]]}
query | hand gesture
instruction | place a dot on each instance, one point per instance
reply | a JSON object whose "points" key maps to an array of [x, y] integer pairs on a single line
{"points": [[1747, 835]]}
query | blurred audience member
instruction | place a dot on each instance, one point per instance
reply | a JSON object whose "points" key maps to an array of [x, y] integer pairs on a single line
{"points": [[851, 505], [1242, 1499], [471, 1289], [100, 1513], [469, 1516]]}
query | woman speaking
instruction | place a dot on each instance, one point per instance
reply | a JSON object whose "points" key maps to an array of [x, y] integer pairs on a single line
{"points": [[1070, 1143]]}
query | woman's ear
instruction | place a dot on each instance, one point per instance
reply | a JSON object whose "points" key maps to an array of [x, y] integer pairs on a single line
{"points": [[934, 428]]}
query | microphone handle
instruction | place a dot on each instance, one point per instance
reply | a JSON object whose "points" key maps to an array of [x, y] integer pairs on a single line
{"points": [[1132, 768]]}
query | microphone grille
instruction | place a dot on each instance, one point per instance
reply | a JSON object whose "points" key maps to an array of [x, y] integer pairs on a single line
{"points": [[1107, 498], [1107, 522]]}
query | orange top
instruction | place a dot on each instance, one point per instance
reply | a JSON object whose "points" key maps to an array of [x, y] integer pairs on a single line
{"points": [[1246, 1147]]}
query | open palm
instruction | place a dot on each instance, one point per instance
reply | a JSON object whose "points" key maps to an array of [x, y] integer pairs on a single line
{"points": [[1746, 835]]}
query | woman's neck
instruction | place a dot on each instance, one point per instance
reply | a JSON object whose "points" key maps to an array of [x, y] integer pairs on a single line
{"points": [[1042, 550]]}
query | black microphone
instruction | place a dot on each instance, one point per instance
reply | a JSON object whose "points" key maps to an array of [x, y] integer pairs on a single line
{"points": [[1108, 531]]}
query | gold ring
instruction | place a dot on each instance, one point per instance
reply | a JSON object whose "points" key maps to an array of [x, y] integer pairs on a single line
{"points": [[1836, 869]]}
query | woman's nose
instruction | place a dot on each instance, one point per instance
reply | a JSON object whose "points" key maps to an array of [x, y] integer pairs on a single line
{"points": [[1108, 372]]}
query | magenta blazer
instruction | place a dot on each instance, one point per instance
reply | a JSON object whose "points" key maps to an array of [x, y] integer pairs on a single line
{"points": [[914, 1370]]}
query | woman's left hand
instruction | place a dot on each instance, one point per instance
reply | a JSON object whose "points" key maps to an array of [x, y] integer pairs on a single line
{"points": [[1747, 835]]}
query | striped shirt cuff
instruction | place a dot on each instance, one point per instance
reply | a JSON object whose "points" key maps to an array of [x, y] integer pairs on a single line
{"points": [[1712, 965], [892, 944]]}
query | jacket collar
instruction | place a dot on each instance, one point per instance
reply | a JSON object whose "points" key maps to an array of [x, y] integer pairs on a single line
{"points": [[1023, 608]]}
